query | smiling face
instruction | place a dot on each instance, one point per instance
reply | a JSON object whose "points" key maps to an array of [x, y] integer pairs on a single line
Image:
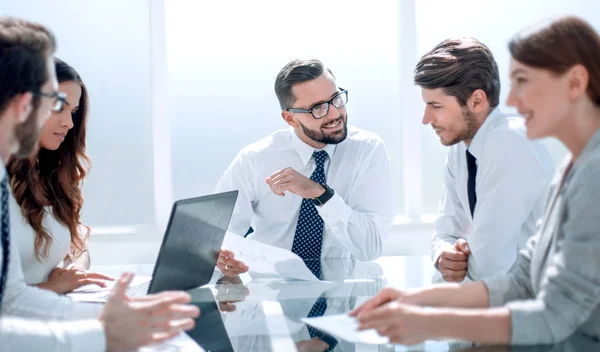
{"points": [[541, 97], [330, 129], [60, 123]]}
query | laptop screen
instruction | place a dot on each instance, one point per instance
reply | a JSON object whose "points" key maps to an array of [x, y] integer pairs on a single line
{"points": [[209, 331], [192, 242]]}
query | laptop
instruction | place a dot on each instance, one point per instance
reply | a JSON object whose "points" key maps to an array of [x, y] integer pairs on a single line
{"points": [[190, 247], [209, 331]]}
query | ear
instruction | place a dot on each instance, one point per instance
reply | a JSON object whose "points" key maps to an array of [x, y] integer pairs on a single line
{"points": [[578, 78], [20, 107], [478, 101], [288, 117]]}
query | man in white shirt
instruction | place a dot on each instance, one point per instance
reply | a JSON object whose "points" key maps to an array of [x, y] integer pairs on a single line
{"points": [[32, 319], [494, 177], [319, 188]]}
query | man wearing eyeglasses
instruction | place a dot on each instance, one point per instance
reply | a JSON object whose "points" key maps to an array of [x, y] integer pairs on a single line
{"points": [[32, 319], [319, 188]]}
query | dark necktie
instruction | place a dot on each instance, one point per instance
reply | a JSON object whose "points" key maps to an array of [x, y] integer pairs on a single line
{"points": [[318, 310], [472, 169], [5, 238], [308, 240]]}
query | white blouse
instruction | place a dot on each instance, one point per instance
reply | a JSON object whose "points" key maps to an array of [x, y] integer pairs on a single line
{"points": [[37, 270]]}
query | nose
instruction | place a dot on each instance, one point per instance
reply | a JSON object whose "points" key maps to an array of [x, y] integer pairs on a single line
{"points": [[512, 99], [67, 120], [428, 118], [333, 112]]}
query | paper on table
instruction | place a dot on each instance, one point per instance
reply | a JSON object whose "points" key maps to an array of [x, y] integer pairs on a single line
{"points": [[266, 259], [345, 327], [181, 342]]}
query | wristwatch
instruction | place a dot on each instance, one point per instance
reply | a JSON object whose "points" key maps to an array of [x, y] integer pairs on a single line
{"points": [[326, 196]]}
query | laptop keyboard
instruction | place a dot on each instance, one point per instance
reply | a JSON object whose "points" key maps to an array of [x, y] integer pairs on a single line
{"points": [[139, 290]]}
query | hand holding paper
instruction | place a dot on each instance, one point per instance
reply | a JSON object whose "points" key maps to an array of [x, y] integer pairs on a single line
{"points": [[265, 259]]}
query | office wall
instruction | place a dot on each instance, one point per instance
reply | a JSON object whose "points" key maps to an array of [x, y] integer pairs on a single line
{"points": [[108, 43], [218, 63], [223, 58]]}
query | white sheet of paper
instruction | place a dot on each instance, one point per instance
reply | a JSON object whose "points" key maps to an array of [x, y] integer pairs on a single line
{"points": [[266, 259], [181, 342], [345, 327]]}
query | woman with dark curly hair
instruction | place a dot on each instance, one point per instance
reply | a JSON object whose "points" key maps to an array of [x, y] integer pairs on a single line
{"points": [[47, 190]]}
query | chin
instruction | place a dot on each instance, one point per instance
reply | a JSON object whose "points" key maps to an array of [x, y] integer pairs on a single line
{"points": [[51, 147], [532, 133]]}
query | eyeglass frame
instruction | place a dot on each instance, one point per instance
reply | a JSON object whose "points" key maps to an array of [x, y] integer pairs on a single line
{"points": [[329, 102], [60, 97]]}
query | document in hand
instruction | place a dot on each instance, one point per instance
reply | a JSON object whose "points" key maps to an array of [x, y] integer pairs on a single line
{"points": [[345, 327], [266, 259]]}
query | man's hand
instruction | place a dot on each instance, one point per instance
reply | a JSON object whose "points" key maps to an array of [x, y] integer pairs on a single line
{"points": [[130, 323], [228, 265], [313, 345], [291, 180], [453, 262], [230, 290]]}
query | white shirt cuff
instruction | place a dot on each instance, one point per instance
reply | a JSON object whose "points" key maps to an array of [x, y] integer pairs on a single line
{"points": [[335, 210], [436, 257]]}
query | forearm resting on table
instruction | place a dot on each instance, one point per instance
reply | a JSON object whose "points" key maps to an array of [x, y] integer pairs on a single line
{"points": [[490, 326], [469, 295]]}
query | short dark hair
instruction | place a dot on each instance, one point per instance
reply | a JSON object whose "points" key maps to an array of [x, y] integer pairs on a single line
{"points": [[460, 66], [24, 49], [296, 71], [559, 45]]}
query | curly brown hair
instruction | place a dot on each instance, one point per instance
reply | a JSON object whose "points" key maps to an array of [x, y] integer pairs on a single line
{"points": [[56, 178]]}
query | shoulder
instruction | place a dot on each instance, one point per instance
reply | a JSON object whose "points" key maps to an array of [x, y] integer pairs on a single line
{"points": [[363, 139], [280, 139], [587, 169], [506, 138], [274, 143], [506, 128]]}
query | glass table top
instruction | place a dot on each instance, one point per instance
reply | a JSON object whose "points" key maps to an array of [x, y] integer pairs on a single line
{"points": [[264, 313]]}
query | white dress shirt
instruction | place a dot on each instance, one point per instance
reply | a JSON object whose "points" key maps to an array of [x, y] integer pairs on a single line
{"points": [[37, 270], [32, 319], [356, 219], [512, 174]]}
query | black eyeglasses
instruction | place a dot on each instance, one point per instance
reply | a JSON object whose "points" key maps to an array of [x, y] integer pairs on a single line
{"points": [[59, 99], [320, 110]]}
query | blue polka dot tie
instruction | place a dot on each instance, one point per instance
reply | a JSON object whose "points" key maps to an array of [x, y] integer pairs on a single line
{"points": [[318, 310], [4, 231], [308, 239]]}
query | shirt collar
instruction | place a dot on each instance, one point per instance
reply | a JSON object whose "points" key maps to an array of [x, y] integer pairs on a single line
{"points": [[2, 170], [476, 146], [306, 151], [591, 145]]}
